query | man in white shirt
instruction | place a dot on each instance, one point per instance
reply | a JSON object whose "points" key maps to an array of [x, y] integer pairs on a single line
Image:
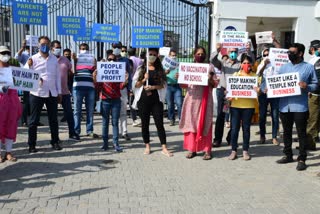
{"points": [[49, 92]]}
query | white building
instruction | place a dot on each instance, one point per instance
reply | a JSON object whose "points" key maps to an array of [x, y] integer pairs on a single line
{"points": [[290, 20]]}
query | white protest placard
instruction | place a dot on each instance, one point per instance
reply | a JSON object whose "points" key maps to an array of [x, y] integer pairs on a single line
{"points": [[164, 51], [169, 63], [193, 73], [85, 59], [283, 85], [33, 39], [264, 37], [25, 79], [234, 39], [111, 72], [241, 86], [278, 57], [6, 76]]}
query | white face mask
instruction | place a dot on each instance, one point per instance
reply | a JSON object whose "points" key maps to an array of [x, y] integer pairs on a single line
{"points": [[57, 51], [4, 58], [152, 59], [116, 51], [123, 54], [83, 51]]}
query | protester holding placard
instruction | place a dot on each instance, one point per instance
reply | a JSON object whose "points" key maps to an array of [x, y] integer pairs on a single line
{"points": [[149, 92], [294, 109], [174, 92], [197, 113], [48, 93], [10, 110], [265, 69], [242, 110]]}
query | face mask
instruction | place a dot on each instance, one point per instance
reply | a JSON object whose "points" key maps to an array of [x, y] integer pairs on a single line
{"points": [[68, 57], [4, 58], [123, 54], [317, 53], [293, 57], [116, 51], [246, 68], [152, 59], [44, 49], [173, 57], [200, 59], [57, 51], [83, 51], [233, 55]]}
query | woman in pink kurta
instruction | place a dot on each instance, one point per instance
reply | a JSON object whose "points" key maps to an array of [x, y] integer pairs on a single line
{"points": [[10, 111], [197, 114]]}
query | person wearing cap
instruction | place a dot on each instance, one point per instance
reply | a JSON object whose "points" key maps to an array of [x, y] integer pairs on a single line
{"points": [[264, 70], [10, 111], [314, 99]]}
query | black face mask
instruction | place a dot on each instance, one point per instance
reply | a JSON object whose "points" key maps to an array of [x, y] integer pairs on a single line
{"points": [[293, 57], [68, 57]]}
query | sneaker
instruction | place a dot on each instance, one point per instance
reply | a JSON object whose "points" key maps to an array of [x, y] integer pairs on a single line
{"points": [[285, 160], [136, 123], [301, 166], [126, 137], [171, 122], [216, 143], [93, 135], [117, 148], [74, 137], [105, 147], [56, 146]]}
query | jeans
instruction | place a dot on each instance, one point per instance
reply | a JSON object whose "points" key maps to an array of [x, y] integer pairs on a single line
{"points": [[114, 106], [239, 115], [300, 119], [263, 105], [68, 113], [174, 96], [78, 94], [219, 126], [36, 104]]}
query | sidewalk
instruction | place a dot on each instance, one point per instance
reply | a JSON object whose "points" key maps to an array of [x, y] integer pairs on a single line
{"points": [[84, 179]]}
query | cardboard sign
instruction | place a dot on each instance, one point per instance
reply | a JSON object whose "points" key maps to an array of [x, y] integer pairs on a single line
{"points": [[264, 37], [278, 57], [29, 13], [283, 85], [147, 36], [234, 39], [85, 59], [164, 51], [6, 76], [111, 72], [193, 73], [83, 38], [105, 33], [25, 79], [33, 40], [241, 86], [169, 63], [71, 25]]}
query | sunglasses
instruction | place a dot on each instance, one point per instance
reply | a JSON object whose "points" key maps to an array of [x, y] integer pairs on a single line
{"points": [[124, 51], [265, 55], [110, 59], [5, 53]]}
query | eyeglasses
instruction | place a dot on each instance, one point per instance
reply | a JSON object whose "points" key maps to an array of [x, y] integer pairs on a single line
{"points": [[291, 53], [110, 59]]}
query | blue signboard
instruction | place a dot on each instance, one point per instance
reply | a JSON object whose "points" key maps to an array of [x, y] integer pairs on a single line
{"points": [[9, 2], [29, 13], [85, 38], [105, 33], [147, 36], [71, 25]]}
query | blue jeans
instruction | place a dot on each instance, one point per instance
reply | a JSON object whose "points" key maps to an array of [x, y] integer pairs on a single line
{"points": [[113, 105], [174, 96], [68, 113], [263, 105], [239, 115], [78, 94]]}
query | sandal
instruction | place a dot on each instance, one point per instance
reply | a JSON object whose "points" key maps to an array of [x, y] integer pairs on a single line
{"points": [[191, 155], [207, 156], [9, 157]]}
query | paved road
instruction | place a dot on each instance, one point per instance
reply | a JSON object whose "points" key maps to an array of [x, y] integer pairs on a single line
{"points": [[83, 179]]}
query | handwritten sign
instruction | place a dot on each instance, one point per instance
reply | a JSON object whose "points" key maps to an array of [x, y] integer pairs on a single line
{"points": [[29, 13], [147, 37], [6, 76], [164, 51], [111, 72], [241, 87], [25, 79], [169, 63], [234, 39], [105, 33], [32, 39], [278, 57], [264, 37], [83, 38], [193, 73], [283, 85], [71, 25]]}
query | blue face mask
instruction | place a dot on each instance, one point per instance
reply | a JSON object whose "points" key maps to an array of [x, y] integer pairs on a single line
{"points": [[233, 55], [317, 53], [44, 49]]}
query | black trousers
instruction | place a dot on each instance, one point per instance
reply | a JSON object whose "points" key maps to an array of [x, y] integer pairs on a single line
{"points": [[26, 107], [300, 120], [146, 106], [219, 126], [36, 104]]}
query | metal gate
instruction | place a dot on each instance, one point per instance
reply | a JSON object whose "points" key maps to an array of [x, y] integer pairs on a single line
{"points": [[186, 22]]}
